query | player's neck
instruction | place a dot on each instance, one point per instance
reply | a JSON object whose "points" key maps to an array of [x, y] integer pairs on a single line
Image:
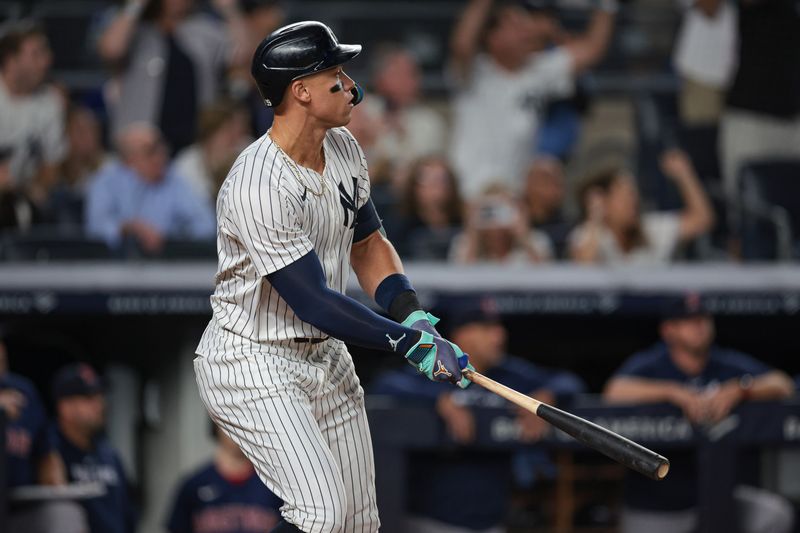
{"points": [[691, 364], [301, 141]]}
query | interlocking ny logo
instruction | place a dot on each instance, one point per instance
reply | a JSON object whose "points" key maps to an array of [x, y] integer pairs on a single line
{"points": [[348, 203], [441, 370], [393, 343]]}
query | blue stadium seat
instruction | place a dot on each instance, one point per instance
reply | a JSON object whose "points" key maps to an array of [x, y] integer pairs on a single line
{"points": [[770, 209]]}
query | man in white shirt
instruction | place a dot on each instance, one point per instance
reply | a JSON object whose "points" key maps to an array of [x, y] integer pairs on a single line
{"points": [[506, 80]]}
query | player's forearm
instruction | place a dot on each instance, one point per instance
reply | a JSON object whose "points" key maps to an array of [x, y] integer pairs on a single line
{"points": [[302, 285], [775, 385], [373, 260], [638, 390]]}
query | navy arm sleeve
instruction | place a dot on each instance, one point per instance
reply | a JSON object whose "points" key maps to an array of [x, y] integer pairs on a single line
{"points": [[302, 285], [367, 221]]}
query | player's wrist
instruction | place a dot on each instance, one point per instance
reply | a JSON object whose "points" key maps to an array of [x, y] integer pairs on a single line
{"points": [[397, 297]]}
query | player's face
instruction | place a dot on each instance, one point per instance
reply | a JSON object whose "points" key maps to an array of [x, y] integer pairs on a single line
{"points": [[85, 413], [330, 96], [693, 334], [484, 342]]}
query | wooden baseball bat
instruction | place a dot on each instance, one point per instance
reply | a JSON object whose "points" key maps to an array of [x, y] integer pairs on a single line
{"points": [[615, 446]]}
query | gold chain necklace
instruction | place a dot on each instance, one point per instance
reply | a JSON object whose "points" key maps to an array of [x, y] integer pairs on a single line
{"points": [[293, 166]]}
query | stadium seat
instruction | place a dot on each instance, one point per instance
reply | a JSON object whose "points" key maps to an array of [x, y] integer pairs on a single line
{"points": [[770, 209], [46, 244]]}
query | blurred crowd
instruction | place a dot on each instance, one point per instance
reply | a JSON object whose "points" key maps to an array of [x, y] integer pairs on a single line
{"points": [[458, 487], [486, 174]]}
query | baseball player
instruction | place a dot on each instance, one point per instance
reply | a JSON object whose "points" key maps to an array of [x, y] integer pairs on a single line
{"points": [[293, 215], [223, 496]]}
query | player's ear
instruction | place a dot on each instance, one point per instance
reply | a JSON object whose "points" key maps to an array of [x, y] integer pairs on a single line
{"points": [[300, 91]]}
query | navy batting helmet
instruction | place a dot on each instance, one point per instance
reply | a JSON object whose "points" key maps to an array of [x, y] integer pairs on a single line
{"points": [[294, 51]]}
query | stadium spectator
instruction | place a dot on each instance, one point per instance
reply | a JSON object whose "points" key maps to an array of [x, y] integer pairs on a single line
{"points": [[139, 201], [707, 382], [615, 231], [762, 116], [85, 157], [17, 212], [409, 129], [78, 393], [261, 17], [440, 500], [225, 496], [31, 111], [506, 79], [497, 231], [705, 59], [430, 211], [31, 457], [169, 58], [222, 133], [545, 193]]}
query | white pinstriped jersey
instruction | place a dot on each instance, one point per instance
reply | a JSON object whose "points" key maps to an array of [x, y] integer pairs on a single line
{"points": [[267, 218]]}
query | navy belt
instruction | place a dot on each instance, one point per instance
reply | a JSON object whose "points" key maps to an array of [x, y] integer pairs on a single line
{"points": [[310, 340]]}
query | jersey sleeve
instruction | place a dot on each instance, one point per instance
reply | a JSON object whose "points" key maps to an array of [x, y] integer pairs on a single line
{"points": [[640, 365], [268, 217], [742, 364]]}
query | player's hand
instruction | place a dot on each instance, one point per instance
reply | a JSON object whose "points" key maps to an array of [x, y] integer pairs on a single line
{"points": [[691, 403], [439, 360], [458, 419], [721, 401], [422, 321], [12, 402]]}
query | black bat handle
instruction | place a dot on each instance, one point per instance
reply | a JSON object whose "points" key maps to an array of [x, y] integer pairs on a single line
{"points": [[617, 447]]}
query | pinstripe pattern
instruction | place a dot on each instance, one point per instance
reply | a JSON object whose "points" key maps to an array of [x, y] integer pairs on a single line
{"points": [[296, 410]]}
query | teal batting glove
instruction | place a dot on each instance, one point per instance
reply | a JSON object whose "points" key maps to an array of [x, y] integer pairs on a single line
{"points": [[422, 321], [439, 360]]}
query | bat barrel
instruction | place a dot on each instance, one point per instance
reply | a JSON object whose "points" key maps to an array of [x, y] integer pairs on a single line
{"points": [[617, 447]]}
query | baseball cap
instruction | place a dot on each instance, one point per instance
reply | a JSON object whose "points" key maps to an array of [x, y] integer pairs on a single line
{"points": [[685, 306], [471, 311], [78, 379]]}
